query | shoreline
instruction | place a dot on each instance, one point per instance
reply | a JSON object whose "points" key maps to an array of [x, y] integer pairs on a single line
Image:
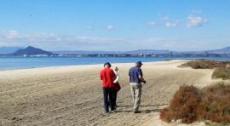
{"points": [[73, 95], [87, 65], [15, 65]]}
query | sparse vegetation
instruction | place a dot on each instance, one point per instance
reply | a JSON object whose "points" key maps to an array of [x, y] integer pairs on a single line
{"points": [[205, 64], [191, 104], [223, 73], [222, 69]]}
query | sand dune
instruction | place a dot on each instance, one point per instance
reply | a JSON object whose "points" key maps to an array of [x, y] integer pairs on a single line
{"points": [[72, 95]]}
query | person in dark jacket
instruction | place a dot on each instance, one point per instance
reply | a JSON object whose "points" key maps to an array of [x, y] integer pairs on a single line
{"points": [[136, 79], [117, 86], [108, 76]]}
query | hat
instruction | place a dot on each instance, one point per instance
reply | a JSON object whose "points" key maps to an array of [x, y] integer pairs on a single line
{"points": [[139, 63]]}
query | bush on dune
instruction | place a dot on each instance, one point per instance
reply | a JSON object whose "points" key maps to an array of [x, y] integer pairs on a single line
{"points": [[215, 105], [191, 104], [204, 64], [183, 105], [223, 73], [222, 69]]}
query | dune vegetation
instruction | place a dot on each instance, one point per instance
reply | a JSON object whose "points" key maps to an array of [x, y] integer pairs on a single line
{"points": [[221, 68], [211, 103], [204, 64], [191, 104], [223, 73]]}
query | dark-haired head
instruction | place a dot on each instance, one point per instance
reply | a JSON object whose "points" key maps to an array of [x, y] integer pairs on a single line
{"points": [[107, 64]]}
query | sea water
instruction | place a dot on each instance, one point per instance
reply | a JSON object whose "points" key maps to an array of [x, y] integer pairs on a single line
{"points": [[9, 63]]}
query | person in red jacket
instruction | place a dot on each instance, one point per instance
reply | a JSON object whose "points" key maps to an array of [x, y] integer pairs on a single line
{"points": [[107, 76]]}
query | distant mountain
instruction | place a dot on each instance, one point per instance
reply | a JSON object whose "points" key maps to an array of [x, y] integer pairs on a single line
{"points": [[225, 50], [7, 50], [32, 51]]}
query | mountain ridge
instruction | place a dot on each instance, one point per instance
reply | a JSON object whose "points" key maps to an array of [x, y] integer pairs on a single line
{"points": [[33, 51], [145, 51], [30, 50]]}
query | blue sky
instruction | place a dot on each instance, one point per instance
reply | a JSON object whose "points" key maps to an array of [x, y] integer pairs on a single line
{"points": [[115, 24]]}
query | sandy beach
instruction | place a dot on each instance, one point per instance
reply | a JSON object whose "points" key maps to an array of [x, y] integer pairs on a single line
{"points": [[72, 95]]}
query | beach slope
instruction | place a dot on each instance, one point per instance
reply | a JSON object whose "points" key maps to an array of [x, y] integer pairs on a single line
{"points": [[73, 96]]}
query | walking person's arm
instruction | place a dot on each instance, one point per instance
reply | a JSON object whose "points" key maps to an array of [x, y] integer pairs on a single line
{"points": [[141, 76], [117, 78], [129, 74], [113, 75], [116, 71]]}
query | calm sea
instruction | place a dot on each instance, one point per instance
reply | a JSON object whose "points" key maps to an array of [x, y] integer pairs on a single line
{"points": [[25, 63]]}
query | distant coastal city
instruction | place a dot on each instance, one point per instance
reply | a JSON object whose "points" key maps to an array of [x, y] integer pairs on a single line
{"points": [[31, 51]]}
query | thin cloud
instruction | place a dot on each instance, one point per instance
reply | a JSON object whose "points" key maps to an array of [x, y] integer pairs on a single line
{"points": [[165, 18], [152, 23], [164, 22], [189, 22], [196, 21], [170, 24], [12, 34], [50, 40], [109, 27]]}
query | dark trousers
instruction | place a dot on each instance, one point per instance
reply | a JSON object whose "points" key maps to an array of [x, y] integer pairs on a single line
{"points": [[109, 99], [115, 98]]}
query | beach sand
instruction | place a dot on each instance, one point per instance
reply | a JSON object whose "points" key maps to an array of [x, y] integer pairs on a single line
{"points": [[72, 95]]}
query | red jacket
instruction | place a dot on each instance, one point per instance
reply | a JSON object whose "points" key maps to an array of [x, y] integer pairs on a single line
{"points": [[107, 76]]}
